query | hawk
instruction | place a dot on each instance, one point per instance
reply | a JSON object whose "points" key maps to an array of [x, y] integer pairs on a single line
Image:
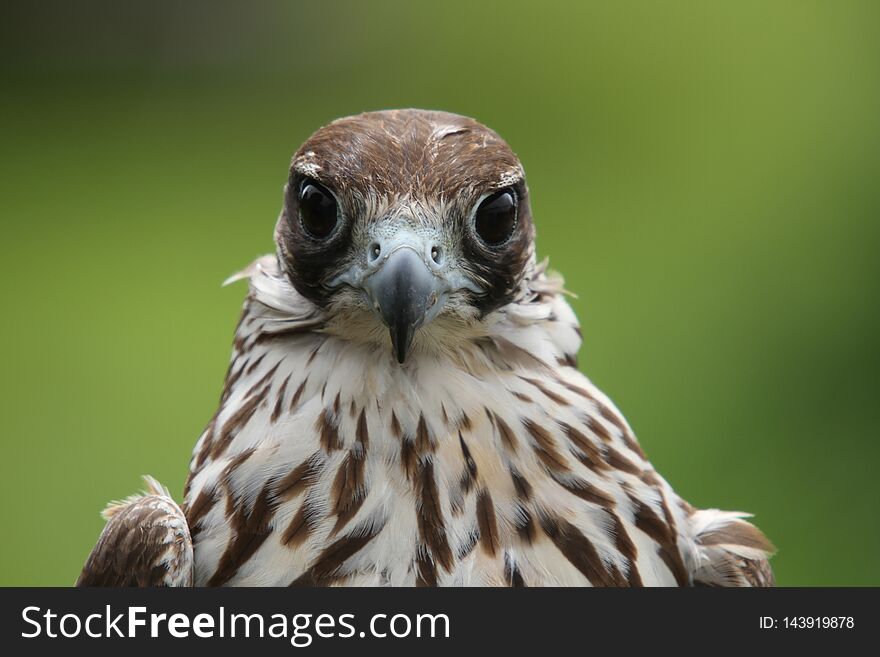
{"points": [[403, 405]]}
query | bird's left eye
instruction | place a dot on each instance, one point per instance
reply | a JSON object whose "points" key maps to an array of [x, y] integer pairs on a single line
{"points": [[496, 217], [317, 209]]}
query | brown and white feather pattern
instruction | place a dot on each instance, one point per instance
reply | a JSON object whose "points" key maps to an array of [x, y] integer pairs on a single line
{"points": [[146, 542], [499, 463]]}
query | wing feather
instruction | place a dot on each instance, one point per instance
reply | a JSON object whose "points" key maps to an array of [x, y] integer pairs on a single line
{"points": [[730, 550], [146, 542]]}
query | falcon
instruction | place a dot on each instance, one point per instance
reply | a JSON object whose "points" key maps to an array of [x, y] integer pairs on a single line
{"points": [[403, 405]]}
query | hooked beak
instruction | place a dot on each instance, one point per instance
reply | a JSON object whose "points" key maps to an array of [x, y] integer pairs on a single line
{"points": [[407, 294]]}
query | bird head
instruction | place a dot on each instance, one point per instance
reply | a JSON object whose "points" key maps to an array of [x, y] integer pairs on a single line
{"points": [[407, 224]]}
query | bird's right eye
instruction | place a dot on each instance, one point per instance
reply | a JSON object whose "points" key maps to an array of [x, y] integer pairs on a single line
{"points": [[318, 211]]}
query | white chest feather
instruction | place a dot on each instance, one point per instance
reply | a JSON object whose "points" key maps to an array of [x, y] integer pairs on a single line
{"points": [[329, 463]]}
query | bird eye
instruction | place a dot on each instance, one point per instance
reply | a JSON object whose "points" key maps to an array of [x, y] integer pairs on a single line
{"points": [[317, 209], [496, 217]]}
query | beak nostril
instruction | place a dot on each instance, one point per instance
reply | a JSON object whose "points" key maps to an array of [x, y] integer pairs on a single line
{"points": [[435, 254], [375, 251], [405, 288]]}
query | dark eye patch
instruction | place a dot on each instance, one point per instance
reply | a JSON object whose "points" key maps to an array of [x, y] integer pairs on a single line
{"points": [[314, 236]]}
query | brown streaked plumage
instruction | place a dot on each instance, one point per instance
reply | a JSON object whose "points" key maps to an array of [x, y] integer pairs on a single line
{"points": [[145, 543], [403, 408]]}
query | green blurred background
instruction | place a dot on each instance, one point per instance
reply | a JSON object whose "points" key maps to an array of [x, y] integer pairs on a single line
{"points": [[705, 175]]}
